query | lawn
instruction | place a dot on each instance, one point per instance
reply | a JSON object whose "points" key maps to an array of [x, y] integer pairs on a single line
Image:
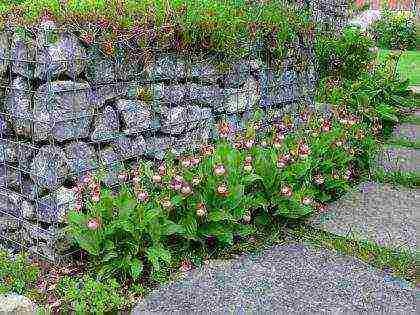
{"points": [[409, 65]]}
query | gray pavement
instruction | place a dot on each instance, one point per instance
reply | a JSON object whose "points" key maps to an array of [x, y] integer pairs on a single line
{"points": [[408, 132], [284, 279], [399, 159], [378, 213]]}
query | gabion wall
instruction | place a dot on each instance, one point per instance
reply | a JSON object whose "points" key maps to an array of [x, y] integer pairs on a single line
{"points": [[66, 109]]}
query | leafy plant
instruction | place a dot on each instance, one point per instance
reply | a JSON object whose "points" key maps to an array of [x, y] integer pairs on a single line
{"points": [[395, 30], [119, 231], [17, 274], [88, 295]]}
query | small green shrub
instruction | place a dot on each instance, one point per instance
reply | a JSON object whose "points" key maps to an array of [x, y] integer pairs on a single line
{"points": [[17, 275], [395, 30], [87, 295], [345, 56]]}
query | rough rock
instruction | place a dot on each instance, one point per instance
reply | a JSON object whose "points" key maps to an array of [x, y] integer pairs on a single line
{"points": [[16, 304], [54, 207], [210, 96], [18, 106], [130, 147], [204, 72], [13, 204], [62, 111], [110, 161], [23, 55], [173, 94], [7, 151], [167, 67], [100, 95], [398, 160], [407, 132], [65, 55], [176, 120], [158, 145], [4, 126], [25, 151], [242, 99], [106, 125], [136, 115], [4, 53], [10, 177], [104, 70], [49, 168], [237, 75], [81, 157]]}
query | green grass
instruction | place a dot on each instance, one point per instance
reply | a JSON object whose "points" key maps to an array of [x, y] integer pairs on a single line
{"points": [[406, 179], [408, 66]]}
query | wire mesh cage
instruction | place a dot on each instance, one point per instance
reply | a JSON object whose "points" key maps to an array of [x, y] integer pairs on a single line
{"points": [[68, 109]]}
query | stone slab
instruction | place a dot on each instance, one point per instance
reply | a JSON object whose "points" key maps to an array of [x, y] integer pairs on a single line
{"points": [[378, 213], [407, 132], [284, 279], [366, 18], [399, 159]]}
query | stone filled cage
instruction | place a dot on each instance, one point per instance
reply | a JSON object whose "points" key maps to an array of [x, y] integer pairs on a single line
{"points": [[67, 109]]}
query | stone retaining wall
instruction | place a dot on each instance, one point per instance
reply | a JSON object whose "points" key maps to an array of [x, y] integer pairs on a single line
{"points": [[66, 108]]}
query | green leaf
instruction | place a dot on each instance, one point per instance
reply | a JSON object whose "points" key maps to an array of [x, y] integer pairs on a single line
{"points": [[168, 228], [263, 218], [136, 268], [218, 215], [244, 230], [155, 252], [249, 179]]}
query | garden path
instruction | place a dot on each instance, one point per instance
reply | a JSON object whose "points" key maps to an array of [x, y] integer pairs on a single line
{"points": [[302, 277]]}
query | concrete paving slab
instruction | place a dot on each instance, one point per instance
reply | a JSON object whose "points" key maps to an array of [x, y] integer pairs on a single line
{"points": [[399, 159], [284, 279], [407, 132], [378, 213]]}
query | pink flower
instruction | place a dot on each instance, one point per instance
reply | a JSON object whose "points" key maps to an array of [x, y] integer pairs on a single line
{"points": [[224, 129], [281, 164], [248, 160], [201, 210], [175, 184], [162, 170], [326, 126], [207, 150], [122, 176], [156, 178], [219, 170], [136, 180], [286, 191], [249, 143], [166, 203], [185, 265], [186, 190], [223, 190], [93, 224], [319, 179], [307, 201], [186, 163], [87, 179], [143, 196], [322, 208], [195, 181], [195, 161], [304, 150], [247, 218], [347, 175], [248, 168]]}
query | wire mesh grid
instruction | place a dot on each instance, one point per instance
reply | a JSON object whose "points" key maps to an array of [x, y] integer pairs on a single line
{"points": [[67, 109]]}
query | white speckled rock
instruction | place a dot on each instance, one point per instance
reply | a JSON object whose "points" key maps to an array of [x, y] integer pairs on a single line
{"points": [[14, 304]]}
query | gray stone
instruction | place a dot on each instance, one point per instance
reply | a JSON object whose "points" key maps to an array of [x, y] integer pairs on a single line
{"points": [[204, 72], [10, 177], [110, 161], [173, 94], [167, 67], [65, 55], [23, 55], [407, 132], [14, 304], [49, 168], [278, 89], [399, 160], [7, 151], [157, 146], [30, 190], [101, 94], [136, 115], [4, 53], [210, 96], [106, 125], [15, 205], [18, 106], [375, 212], [25, 151], [193, 140], [242, 99], [284, 279], [4, 126], [104, 70], [237, 75], [81, 158], [62, 111], [176, 120], [54, 207], [130, 147]]}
